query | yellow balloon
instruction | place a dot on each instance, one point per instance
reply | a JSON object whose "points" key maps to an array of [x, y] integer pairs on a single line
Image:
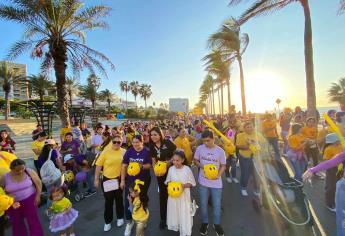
{"points": [[6, 158], [133, 169], [229, 148], [160, 168], [69, 176], [5, 202], [175, 189], [211, 171]]}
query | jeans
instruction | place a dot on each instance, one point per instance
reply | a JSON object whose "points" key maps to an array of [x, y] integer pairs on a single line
{"points": [[28, 211], [330, 186], [274, 143], [231, 162], [247, 170], [216, 197], [340, 207], [299, 166], [109, 204]]}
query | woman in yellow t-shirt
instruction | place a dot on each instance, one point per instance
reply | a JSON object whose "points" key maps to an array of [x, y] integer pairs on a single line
{"points": [[331, 149], [295, 154], [138, 201], [182, 142], [110, 161], [310, 132]]}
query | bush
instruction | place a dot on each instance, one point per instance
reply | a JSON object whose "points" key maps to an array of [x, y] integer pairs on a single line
{"points": [[23, 113]]}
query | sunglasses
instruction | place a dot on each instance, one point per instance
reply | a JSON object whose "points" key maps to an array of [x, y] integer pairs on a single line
{"points": [[117, 142]]}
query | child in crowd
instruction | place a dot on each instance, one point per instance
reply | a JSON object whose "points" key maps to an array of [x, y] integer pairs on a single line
{"points": [[179, 214], [138, 201], [331, 149], [63, 215], [295, 153]]}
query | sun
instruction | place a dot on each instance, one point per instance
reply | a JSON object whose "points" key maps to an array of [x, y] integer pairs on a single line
{"points": [[262, 90]]}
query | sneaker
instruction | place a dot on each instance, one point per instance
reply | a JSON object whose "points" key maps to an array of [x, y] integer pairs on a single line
{"points": [[229, 180], [219, 230], [89, 193], [244, 193], [107, 227], [204, 229], [129, 227], [235, 180], [120, 222], [162, 225], [331, 208]]}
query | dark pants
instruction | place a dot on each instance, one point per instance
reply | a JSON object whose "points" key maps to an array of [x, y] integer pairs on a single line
{"points": [[163, 197], [128, 184], [330, 186], [247, 170], [2, 225], [231, 162], [312, 153], [274, 143], [109, 203]]}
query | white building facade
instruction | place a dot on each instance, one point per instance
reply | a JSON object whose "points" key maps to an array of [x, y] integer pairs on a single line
{"points": [[179, 105]]}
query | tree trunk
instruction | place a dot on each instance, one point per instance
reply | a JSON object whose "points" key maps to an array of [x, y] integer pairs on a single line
{"points": [[126, 102], [108, 106], [243, 95], [229, 98], [145, 103], [41, 97], [8, 105], [59, 54], [213, 105], [219, 103], [308, 58], [222, 98], [70, 98]]}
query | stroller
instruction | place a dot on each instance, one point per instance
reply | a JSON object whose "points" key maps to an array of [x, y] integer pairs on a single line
{"points": [[282, 194]]}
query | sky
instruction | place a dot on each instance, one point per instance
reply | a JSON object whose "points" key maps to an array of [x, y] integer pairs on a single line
{"points": [[161, 43]]}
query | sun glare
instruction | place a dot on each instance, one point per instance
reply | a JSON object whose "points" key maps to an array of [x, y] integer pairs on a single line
{"points": [[262, 90]]}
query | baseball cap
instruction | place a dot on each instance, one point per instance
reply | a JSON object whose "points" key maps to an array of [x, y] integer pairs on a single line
{"points": [[331, 138]]}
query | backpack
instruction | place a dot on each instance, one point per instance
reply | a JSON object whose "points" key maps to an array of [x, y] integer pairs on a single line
{"points": [[49, 173]]}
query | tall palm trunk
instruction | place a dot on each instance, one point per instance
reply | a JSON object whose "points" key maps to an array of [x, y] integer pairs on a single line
{"points": [[222, 98], [59, 54], [219, 103], [145, 103], [93, 104], [213, 105], [8, 105], [308, 58], [108, 100], [243, 95], [70, 98], [209, 102], [126, 101], [229, 98]]}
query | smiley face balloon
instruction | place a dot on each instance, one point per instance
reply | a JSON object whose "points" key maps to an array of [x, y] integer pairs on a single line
{"points": [[5, 202], [211, 171], [133, 168], [160, 168], [175, 189]]}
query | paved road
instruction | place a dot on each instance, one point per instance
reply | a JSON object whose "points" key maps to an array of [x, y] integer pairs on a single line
{"points": [[238, 216]]}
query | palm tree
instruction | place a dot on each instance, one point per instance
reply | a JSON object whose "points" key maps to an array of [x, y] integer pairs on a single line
{"points": [[135, 86], [206, 90], [229, 41], [336, 93], [8, 78], [125, 87], [145, 92], [55, 33], [40, 85], [72, 88], [107, 96], [89, 91], [216, 65], [264, 7]]}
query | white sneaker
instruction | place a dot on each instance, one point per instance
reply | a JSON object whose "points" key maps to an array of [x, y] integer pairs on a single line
{"points": [[129, 227], [228, 179], [235, 180], [244, 193], [120, 222], [107, 227]]}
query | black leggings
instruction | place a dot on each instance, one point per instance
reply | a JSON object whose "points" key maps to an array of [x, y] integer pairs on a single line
{"points": [[163, 197], [3, 223], [109, 203]]}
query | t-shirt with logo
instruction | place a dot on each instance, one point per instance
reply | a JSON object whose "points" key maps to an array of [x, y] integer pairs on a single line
{"points": [[164, 152], [205, 155], [142, 157]]}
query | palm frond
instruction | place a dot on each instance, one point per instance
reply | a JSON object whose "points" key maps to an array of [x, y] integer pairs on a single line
{"points": [[18, 48]]}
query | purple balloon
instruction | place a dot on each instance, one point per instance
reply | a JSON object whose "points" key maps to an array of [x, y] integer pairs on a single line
{"points": [[80, 176]]}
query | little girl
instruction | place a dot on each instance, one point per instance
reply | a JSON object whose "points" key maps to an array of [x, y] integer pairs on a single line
{"points": [[179, 213], [295, 153], [63, 215], [138, 201]]}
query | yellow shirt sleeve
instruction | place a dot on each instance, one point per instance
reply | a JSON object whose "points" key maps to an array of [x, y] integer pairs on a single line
{"points": [[101, 159]]}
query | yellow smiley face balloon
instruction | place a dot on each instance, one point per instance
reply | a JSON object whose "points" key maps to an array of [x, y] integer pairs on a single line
{"points": [[133, 169], [211, 171], [69, 176], [175, 189], [160, 168]]}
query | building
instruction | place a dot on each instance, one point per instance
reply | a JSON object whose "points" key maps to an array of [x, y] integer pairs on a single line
{"points": [[18, 90], [179, 105]]}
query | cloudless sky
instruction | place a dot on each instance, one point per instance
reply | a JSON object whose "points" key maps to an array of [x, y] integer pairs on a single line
{"points": [[161, 43]]}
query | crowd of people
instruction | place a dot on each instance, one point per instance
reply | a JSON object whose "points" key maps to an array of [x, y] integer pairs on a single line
{"points": [[121, 161]]}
